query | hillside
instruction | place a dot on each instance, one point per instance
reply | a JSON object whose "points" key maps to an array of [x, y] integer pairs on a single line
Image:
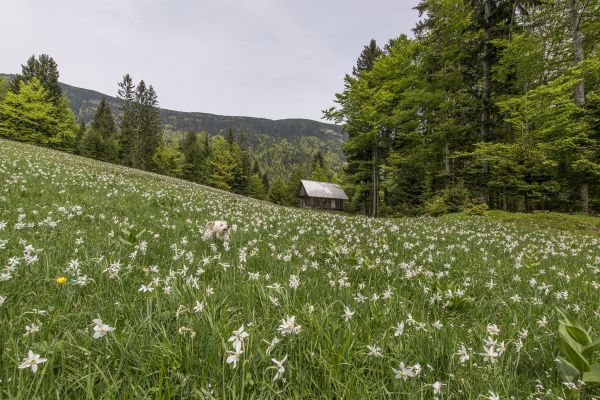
{"points": [[277, 143], [84, 103], [106, 277]]}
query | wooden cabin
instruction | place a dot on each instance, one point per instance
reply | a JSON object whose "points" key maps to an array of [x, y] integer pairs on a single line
{"points": [[323, 195]]}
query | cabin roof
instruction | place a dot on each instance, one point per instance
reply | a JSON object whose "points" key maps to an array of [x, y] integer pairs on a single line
{"points": [[325, 190]]}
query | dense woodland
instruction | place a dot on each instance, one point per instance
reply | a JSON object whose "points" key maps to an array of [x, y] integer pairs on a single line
{"points": [[34, 109], [493, 103]]}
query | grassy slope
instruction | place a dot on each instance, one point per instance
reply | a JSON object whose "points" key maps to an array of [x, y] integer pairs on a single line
{"points": [[70, 208], [577, 223]]}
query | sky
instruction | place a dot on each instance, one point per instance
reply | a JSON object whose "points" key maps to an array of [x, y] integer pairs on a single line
{"points": [[263, 58]]}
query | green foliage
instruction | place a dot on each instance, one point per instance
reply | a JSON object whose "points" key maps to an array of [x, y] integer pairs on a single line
{"points": [[222, 165], [486, 94], [448, 200], [436, 206], [92, 144], [477, 209], [45, 70], [3, 87], [131, 237], [28, 116], [577, 348], [279, 193], [195, 152], [101, 141], [320, 174], [23, 115], [168, 161], [256, 187]]}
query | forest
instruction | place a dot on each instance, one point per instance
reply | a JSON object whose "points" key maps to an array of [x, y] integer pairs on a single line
{"points": [[491, 104], [34, 109]]}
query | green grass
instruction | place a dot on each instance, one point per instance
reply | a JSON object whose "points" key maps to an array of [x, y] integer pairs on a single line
{"points": [[454, 276], [575, 223]]}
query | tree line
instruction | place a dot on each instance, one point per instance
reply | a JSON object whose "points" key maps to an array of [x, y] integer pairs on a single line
{"points": [[33, 109], [492, 103]]}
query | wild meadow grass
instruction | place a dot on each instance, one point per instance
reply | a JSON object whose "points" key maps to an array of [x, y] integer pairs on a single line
{"points": [[104, 273]]}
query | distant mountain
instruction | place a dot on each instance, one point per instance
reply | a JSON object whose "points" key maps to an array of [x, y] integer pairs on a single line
{"points": [[84, 103], [277, 143]]}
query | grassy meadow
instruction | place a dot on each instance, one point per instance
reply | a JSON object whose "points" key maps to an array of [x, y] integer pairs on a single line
{"points": [[460, 307]]}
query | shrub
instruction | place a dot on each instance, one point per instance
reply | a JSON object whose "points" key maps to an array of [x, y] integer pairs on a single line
{"points": [[477, 209], [436, 206]]}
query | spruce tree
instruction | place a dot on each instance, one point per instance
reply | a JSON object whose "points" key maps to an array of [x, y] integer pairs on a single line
{"points": [[194, 157], [230, 138], [128, 119], [45, 70], [103, 140]]}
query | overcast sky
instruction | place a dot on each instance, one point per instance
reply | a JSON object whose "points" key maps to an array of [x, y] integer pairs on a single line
{"points": [[263, 58]]}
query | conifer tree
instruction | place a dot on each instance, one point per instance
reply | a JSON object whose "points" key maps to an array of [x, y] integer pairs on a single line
{"points": [[256, 187], [128, 119], [221, 165], [101, 140], [45, 70], [194, 156]]}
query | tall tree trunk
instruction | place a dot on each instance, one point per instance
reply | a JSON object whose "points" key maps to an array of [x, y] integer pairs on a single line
{"points": [[577, 50], [446, 157], [486, 73], [584, 190], [584, 194]]}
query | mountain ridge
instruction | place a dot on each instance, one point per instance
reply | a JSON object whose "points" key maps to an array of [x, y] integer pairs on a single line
{"points": [[277, 145], [84, 101]]}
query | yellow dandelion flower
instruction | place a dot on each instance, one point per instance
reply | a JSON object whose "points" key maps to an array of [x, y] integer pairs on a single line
{"points": [[61, 280]]}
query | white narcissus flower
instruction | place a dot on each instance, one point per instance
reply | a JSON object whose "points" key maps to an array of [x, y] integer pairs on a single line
{"points": [[437, 387], [32, 361], [462, 354], [199, 307], [489, 354], [294, 281], [399, 329], [289, 327], [238, 336], [2, 300], [374, 351], [101, 329], [280, 368], [272, 344], [403, 372], [348, 313], [493, 396], [493, 330], [234, 356]]}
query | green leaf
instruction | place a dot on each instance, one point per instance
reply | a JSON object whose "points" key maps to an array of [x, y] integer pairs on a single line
{"points": [[566, 370], [579, 334], [592, 376], [571, 349], [592, 347]]}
